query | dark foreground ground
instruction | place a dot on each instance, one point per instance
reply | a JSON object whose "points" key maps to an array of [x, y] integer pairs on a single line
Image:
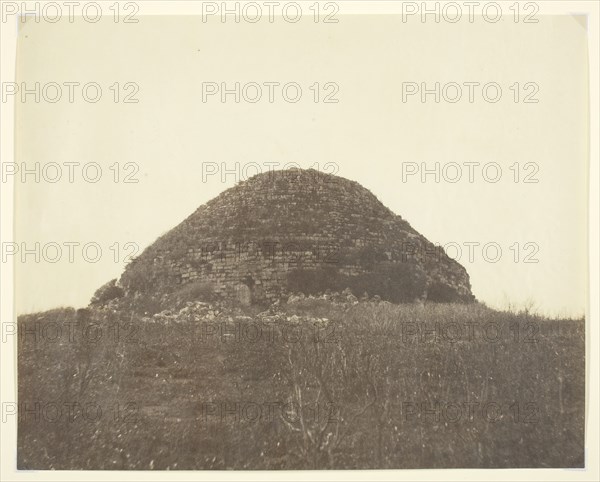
{"points": [[305, 385]]}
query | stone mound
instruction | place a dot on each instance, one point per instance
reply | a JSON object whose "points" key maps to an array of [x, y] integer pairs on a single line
{"points": [[294, 231]]}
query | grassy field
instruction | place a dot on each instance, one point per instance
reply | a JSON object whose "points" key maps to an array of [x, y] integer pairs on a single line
{"points": [[305, 385]]}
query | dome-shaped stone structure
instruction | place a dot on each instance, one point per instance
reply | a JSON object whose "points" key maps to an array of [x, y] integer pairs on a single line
{"points": [[296, 230]]}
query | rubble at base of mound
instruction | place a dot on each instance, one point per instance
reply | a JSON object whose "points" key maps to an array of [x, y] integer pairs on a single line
{"points": [[203, 311]]}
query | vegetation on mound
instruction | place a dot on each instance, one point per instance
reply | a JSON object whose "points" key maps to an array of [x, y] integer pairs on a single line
{"points": [[398, 283], [312, 383]]}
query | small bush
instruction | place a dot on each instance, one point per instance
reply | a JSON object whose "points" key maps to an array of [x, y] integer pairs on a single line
{"points": [[311, 282], [397, 282], [196, 290], [107, 292], [441, 293]]}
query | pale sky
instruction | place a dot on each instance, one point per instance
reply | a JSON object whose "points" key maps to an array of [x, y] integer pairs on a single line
{"points": [[368, 134]]}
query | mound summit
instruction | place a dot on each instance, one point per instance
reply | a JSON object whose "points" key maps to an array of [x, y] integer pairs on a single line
{"points": [[294, 231]]}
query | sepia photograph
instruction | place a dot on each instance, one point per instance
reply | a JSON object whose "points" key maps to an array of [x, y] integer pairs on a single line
{"points": [[279, 240]]}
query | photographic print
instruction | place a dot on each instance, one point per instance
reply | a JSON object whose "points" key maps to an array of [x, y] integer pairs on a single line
{"points": [[310, 236]]}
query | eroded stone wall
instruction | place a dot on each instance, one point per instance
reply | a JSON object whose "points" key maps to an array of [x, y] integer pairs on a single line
{"points": [[249, 238]]}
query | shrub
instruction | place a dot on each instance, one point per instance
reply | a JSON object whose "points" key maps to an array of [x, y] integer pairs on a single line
{"points": [[196, 290], [311, 282], [107, 292], [441, 293], [397, 282], [369, 256]]}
